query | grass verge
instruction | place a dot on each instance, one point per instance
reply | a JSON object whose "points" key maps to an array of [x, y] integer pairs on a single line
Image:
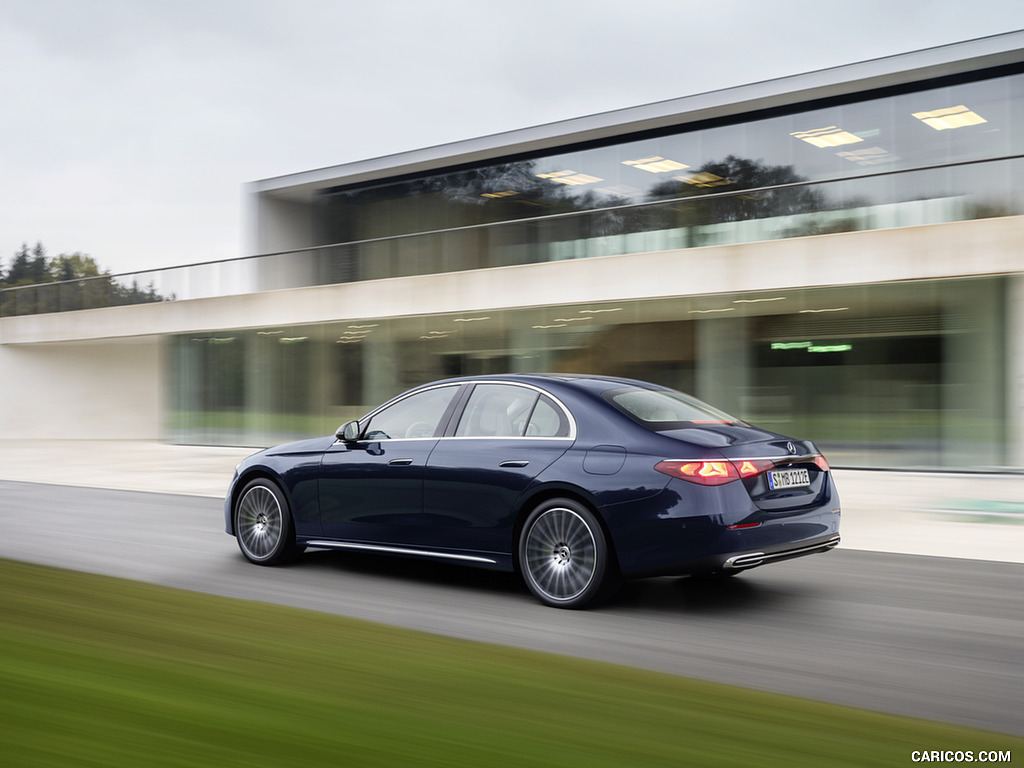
{"points": [[96, 671]]}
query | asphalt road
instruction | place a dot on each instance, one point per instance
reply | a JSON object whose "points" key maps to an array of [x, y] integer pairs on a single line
{"points": [[929, 637]]}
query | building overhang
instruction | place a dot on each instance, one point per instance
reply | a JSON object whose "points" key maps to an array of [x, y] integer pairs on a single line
{"points": [[837, 82], [980, 247]]}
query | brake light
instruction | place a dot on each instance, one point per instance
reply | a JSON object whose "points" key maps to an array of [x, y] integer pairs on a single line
{"points": [[715, 472], [701, 472], [754, 467], [822, 464]]}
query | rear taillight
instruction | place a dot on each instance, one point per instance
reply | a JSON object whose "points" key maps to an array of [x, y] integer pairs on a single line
{"points": [[722, 471], [753, 467], [701, 472]]}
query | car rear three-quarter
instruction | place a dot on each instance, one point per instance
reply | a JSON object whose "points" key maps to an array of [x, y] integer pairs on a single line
{"points": [[735, 496], [574, 481], [691, 527]]}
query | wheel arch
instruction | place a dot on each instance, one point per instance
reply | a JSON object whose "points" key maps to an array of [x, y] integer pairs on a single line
{"points": [[255, 473], [545, 493]]}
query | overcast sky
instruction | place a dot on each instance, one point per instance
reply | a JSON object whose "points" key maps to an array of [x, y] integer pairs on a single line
{"points": [[130, 126]]}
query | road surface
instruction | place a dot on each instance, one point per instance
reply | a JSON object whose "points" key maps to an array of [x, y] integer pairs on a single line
{"points": [[928, 637]]}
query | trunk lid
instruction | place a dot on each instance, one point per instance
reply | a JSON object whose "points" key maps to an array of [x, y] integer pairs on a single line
{"points": [[779, 473]]}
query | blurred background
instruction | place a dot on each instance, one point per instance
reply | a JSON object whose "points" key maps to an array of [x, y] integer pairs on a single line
{"points": [[834, 255], [808, 215]]}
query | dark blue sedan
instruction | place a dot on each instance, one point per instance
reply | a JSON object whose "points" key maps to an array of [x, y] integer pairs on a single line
{"points": [[574, 481]]}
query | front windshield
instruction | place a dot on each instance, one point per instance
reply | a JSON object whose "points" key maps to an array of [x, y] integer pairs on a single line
{"points": [[661, 409]]}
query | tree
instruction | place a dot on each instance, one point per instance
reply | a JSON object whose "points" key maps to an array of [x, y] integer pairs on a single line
{"points": [[72, 267], [20, 272], [37, 265], [66, 282]]}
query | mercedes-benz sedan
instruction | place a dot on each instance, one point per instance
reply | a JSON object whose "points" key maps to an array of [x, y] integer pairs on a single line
{"points": [[576, 482]]}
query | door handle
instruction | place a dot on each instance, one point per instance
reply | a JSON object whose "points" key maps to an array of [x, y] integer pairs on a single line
{"points": [[399, 462], [514, 463]]}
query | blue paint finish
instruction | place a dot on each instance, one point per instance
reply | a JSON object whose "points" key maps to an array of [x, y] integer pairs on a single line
{"points": [[604, 459], [459, 496]]}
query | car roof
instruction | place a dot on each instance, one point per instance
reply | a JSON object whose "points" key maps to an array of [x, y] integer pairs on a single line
{"points": [[574, 380]]}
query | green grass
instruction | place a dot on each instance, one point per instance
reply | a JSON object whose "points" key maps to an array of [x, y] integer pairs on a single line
{"points": [[96, 671]]}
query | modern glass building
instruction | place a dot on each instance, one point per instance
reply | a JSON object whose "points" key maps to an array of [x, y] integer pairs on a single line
{"points": [[835, 255]]}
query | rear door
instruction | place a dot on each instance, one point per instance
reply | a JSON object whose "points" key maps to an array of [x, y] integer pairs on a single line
{"points": [[506, 436]]}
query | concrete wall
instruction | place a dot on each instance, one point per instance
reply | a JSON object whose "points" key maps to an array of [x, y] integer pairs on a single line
{"points": [[100, 372], [109, 389], [960, 249]]}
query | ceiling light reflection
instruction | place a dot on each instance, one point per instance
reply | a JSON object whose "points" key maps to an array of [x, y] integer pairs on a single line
{"points": [[951, 117], [655, 164], [870, 156], [572, 178], [704, 179], [832, 136]]}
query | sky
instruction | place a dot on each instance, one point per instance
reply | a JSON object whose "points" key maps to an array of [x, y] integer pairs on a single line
{"points": [[130, 127]]}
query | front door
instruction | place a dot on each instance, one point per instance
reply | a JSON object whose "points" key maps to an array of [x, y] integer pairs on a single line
{"points": [[371, 490]]}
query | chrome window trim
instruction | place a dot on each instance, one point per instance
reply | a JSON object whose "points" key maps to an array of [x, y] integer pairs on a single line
{"points": [[787, 458], [502, 437], [405, 396], [535, 388], [368, 440], [394, 401], [471, 382]]}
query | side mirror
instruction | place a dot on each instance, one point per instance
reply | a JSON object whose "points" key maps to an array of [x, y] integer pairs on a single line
{"points": [[348, 432]]}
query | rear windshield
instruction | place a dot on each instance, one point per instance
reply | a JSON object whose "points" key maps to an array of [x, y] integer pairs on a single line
{"points": [[661, 409]]}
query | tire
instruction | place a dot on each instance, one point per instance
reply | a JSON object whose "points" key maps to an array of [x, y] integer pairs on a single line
{"points": [[263, 524], [564, 556]]}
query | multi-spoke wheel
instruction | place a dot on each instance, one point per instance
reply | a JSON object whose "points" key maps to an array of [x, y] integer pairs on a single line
{"points": [[564, 556], [263, 524]]}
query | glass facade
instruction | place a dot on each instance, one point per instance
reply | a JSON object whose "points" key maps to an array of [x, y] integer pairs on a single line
{"points": [[900, 375], [926, 155], [937, 154]]}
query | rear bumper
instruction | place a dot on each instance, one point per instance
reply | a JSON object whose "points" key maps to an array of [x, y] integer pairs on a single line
{"points": [[693, 530], [734, 561], [746, 560]]}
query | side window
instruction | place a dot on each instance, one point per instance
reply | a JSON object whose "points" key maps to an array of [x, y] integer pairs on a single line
{"points": [[548, 420], [497, 410], [416, 416]]}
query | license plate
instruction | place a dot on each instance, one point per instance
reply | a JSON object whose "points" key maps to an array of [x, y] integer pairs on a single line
{"points": [[788, 478]]}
